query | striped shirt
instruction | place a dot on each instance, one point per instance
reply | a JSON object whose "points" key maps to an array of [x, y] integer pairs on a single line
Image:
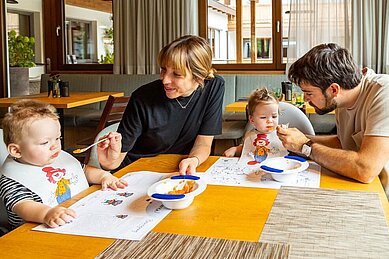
{"points": [[13, 192]]}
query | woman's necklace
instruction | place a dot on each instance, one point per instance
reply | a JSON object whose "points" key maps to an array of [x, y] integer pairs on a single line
{"points": [[186, 105]]}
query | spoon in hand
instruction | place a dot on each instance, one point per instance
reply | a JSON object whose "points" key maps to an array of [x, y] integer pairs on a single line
{"points": [[81, 150]]}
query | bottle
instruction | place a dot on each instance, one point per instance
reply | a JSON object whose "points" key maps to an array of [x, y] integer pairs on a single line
{"points": [[56, 90], [288, 96], [64, 87]]}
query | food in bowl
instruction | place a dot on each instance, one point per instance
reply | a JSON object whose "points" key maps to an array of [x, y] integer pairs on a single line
{"points": [[284, 169], [184, 186], [177, 192]]}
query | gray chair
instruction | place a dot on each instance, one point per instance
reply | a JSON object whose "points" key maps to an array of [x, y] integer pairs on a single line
{"points": [[231, 130], [94, 160], [295, 117], [4, 225]]}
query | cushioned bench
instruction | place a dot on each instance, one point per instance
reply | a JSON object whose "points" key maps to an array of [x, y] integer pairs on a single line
{"points": [[89, 115], [236, 86]]}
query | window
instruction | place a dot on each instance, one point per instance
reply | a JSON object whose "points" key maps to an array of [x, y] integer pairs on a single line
{"points": [[25, 20], [86, 27], [78, 35], [18, 22], [215, 41], [254, 33], [81, 42]]}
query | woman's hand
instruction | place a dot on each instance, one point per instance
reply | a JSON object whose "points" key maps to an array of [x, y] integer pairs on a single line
{"points": [[59, 216], [188, 165], [110, 181], [110, 149]]}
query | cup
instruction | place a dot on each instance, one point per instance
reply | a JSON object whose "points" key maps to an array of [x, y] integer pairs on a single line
{"points": [[64, 86], [56, 90], [50, 87], [287, 90]]}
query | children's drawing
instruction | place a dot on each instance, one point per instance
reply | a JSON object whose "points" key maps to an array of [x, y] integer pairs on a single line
{"points": [[125, 194], [113, 202], [227, 171], [123, 214]]}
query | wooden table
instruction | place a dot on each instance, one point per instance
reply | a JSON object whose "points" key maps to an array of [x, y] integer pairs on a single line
{"points": [[75, 99], [240, 106], [237, 213]]}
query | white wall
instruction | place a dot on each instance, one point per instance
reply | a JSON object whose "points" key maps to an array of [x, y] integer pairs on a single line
{"points": [[219, 22]]}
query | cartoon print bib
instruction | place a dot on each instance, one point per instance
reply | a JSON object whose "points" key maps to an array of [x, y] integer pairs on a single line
{"points": [[54, 183], [258, 147]]}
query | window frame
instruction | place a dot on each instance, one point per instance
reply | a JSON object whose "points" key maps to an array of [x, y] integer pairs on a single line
{"points": [[3, 51], [277, 64], [53, 16]]}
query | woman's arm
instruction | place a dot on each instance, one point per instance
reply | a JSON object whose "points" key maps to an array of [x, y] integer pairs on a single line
{"points": [[199, 153]]}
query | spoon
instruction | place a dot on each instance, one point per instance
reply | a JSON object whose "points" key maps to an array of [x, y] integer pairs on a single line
{"points": [[81, 150]]}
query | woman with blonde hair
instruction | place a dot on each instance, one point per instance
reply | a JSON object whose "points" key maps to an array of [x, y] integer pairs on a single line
{"points": [[178, 114]]}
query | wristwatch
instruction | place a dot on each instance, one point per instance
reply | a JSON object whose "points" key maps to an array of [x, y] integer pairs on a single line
{"points": [[307, 148]]}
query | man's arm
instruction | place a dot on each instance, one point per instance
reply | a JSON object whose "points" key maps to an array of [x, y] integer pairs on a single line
{"points": [[326, 140], [199, 153], [363, 165]]}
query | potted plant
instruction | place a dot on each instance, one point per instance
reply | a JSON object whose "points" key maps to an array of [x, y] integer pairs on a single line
{"points": [[21, 55], [21, 50]]}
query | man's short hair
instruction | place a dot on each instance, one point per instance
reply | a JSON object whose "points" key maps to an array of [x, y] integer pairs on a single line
{"points": [[324, 65]]}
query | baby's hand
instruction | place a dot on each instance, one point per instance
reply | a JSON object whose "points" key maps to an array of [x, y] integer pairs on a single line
{"points": [[230, 152], [110, 181], [59, 216]]}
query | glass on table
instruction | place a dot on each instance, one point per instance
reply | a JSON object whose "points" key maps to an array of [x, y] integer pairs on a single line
{"points": [[277, 93], [299, 99]]}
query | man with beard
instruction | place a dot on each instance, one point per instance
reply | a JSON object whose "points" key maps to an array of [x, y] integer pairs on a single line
{"points": [[331, 80]]}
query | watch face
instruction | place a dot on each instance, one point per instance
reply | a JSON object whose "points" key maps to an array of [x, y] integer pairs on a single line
{"points": [[306, 150]]}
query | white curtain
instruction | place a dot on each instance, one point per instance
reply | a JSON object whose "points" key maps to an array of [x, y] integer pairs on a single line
{"points": [[143, 27], [370, 25], [313, 22]]}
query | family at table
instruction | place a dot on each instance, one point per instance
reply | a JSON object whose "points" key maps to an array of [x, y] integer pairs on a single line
{"points": [[180, 114]]}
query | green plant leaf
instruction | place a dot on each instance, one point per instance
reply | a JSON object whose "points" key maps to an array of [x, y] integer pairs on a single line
{"points": [[21, 50]]}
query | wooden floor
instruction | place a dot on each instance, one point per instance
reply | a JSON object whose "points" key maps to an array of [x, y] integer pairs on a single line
{"points": [[76, 134]]}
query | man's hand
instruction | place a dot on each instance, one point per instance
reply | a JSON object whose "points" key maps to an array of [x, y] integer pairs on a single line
{"points": [[292, 138]]}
